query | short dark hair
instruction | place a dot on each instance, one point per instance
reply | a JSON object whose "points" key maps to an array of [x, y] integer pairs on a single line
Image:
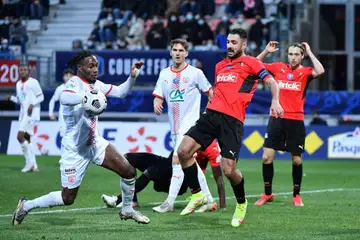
{"points": [[68, 71], [24, 64], [181, 41], [77, 58], [239, 31], [298, 45]]}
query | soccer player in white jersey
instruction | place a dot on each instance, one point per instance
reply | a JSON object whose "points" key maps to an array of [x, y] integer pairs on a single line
{"points": [[29, 95], [181, 86], [67, 74], [82, 144]]}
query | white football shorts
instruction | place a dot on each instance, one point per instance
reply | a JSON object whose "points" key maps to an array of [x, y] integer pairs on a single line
{"points": [[74, 161]]}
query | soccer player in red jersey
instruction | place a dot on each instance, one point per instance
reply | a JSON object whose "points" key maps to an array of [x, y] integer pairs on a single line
{"points": [[288, 133], [236, 78]]}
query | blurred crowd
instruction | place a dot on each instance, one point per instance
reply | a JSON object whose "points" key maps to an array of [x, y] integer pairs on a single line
{"points": [[136, 24], [12, 29]]}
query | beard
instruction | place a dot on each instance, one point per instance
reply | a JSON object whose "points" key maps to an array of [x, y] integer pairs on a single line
{"points": [[235, 54]]}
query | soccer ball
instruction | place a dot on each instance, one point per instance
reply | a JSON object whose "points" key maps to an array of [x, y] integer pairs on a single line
{"points": [[94, 102]]}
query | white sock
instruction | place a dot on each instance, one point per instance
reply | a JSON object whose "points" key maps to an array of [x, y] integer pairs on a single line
{"points": [[175, 183], [50, 200], [203, 185], [128, 189], [25, 150], [31, 152]]}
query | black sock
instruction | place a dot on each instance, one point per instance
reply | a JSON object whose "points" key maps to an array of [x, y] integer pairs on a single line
{"points": [[135, 198], [191, 175], [297, 176], [119, 199], [141, 183], [239, 191], [268, 174]]}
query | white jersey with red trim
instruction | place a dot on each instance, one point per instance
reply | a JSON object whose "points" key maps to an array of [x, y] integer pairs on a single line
{"points": [[182, 92], [26, 94], [81, 128]]}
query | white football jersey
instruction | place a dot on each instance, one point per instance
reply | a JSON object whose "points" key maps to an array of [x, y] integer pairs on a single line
{"points": [[81, 128], [182, 92], [26, 93]]}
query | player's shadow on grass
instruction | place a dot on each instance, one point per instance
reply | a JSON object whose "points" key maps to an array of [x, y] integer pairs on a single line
{"points": [[57, 220]]}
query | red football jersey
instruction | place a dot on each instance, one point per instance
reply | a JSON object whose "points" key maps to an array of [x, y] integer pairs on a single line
{"points": [[293, 85], [235, 83], [211, 154]]}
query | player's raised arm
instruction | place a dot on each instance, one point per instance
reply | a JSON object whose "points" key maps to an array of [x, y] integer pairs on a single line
{"points": [[123, 89], [318, 67], [270, 48]]}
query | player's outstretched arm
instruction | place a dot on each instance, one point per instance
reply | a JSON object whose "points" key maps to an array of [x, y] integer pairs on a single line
{"points": [[318, 67], [123, 89], [270, 48], [217, 173], [275, 108]]}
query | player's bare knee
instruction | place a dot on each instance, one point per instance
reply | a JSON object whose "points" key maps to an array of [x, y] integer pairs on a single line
{"points": [[20, 137], [228, 170], [68, 197], [297, 160], [267, 159], [27, 137], [183, 155], [129, 173]]}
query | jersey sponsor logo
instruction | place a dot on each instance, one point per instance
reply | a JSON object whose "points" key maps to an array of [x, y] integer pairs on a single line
{"points": [[70, 84], [70, 171], [177, 95], [175, 81], [293, 86], [186, 79], [227, 77]]}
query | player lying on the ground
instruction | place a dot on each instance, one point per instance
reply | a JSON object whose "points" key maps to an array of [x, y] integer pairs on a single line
{"points": [[159, 170], [82, 144], [293, 79]]}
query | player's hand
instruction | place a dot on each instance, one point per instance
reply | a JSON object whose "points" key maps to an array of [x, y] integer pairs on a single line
{"points": [[276, 109], [158, 108], [53, 118], [272, 47], [135, 70], [307, 47], [7, 97], [30, 110]]}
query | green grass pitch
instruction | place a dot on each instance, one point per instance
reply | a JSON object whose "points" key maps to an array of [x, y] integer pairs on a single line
{"points": [[331, 194]]}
